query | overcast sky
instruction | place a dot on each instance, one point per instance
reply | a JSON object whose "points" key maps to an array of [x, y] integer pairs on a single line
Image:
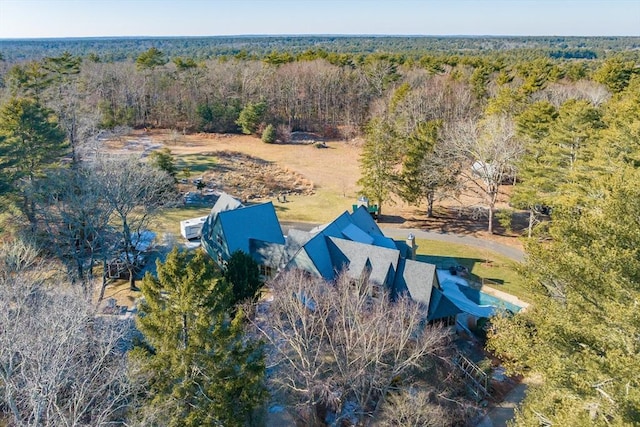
{"points": [[85, 18]]}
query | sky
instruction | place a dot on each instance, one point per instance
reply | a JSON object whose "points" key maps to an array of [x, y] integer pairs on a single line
{"points": [[106, 18]]}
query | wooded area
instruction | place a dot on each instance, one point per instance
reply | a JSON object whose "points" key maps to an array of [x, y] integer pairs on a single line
{"points": [[556, 119]]}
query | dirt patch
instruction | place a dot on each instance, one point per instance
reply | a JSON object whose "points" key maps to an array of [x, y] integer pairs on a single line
{"points": [[249, 177]]}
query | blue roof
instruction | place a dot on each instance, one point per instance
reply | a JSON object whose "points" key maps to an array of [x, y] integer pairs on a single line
{"points": [[362, 219], [258, 222], [317, 252], [440, 307], [335, 227], [352, 232]]}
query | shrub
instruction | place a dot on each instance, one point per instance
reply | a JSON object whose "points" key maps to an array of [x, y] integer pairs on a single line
{"points": [[269, 134], [505, 217]]}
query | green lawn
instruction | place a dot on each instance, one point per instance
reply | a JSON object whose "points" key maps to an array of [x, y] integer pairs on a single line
{"points": [[168, 220], [197, 164], [482, 263], [324, 206]]}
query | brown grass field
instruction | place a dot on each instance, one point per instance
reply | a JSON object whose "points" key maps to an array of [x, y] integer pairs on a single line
{"points": [[333, 172]]}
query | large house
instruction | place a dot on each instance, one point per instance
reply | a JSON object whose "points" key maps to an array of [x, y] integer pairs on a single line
{"points": [[352, 244]]}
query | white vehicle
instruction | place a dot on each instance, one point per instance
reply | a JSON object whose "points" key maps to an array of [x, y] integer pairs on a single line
{"points": [[192, 228]]}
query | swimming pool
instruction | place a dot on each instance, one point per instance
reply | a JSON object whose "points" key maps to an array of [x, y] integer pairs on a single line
{"points": [[481, 298]]}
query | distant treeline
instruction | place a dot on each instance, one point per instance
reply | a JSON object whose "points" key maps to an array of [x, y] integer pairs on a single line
{"points": [[257, 47]]}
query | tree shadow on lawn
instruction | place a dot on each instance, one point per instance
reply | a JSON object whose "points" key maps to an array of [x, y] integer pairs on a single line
{"points": [[390, 219], [466, 221], [280, 208]]}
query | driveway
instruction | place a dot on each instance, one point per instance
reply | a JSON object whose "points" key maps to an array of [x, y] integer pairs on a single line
{"points": [[505, 250]]}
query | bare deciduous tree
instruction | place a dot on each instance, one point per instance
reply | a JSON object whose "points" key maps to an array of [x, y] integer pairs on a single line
{"points": [[59, 365], [341, 347], [415, 407], [559, 93], [488, 151], [75, 221], [135, 191]]}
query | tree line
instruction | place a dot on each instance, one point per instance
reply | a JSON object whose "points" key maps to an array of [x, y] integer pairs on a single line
{"points": [[112, 49], [317, 90]]}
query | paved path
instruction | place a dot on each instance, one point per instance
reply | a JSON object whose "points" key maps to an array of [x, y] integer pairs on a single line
{"points": [[508, 251], [505, 410]]}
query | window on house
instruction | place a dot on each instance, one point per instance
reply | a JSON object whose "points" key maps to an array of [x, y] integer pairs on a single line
{"points": [[265, 270], [219, 239]]}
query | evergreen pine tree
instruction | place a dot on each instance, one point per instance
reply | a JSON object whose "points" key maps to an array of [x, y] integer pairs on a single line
{"points": [[243, 274], [426, 170], [535, 172], [580, 336], [201, 368], [378, 161], [30, 142]]}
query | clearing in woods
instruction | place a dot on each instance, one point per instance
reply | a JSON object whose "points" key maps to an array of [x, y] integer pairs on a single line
{"points": [[320, 180]]}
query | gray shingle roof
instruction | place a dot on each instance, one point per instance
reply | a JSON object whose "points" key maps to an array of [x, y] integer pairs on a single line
{"points": [[354, 257], [415, 279], [225, 203]]}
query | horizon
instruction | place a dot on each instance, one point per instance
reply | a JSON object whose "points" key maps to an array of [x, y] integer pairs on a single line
{"points": [[60, 19], [446, 36]]}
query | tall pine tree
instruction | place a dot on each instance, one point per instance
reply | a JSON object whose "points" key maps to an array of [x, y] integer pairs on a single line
{"points": [[536, 171], [378, 161], [426, 168], [580, 336], [30, 142], [202, 370]]}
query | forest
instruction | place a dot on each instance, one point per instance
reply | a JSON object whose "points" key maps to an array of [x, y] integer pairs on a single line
{"points": [[555, 119]]}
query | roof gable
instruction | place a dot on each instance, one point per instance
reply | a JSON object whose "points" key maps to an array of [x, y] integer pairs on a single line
{"points": [[416, 279], [313, 259], [363, 220], [357, 257], [335, 227], [440, 307], [356, 234], [317, 253], [258, 222], [225, 203]]}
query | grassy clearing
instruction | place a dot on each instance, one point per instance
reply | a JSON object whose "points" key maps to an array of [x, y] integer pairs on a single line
{"points": [[334, 172], [168, 220], [323, 206], [120, 291], [197, 164], [482, 263]]}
